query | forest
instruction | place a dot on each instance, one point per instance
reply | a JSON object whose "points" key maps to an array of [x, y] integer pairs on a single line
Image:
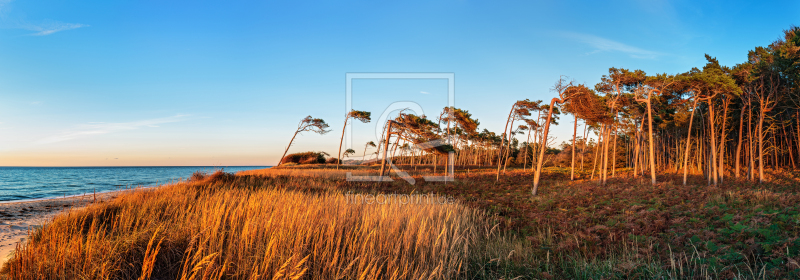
{"points": [[718, 120]]}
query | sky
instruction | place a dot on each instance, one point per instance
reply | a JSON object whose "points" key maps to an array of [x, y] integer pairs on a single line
{"points": [[204, 83]]}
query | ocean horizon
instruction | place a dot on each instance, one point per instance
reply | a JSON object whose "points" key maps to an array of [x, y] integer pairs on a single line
{"points": [[19, 183]]}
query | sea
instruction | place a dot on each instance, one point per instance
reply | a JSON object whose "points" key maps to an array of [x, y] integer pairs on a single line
{"points": [[27, 183]]}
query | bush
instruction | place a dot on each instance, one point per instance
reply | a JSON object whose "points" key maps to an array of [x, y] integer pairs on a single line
{"points": [[304, 158], [217, 176], [332, 161]]}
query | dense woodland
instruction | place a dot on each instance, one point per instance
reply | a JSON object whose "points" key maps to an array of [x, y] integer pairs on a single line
{"points": [[721, 121]]}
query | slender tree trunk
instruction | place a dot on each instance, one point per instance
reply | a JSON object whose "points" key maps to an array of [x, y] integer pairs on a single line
{"points": [[527, 144], [713, 143], [534, 148], [508, 151], [500, 153], [604, 163], [543, 147], [636, 165], [386, 148], [574, 134], [737, 157], [394, 148], [583, 151], [761, 144], [339, 154], [650, 127], [287, 147], [688, 143], [614, 155], [597, 151], [722, 143], [751, 140], [798, 135]]}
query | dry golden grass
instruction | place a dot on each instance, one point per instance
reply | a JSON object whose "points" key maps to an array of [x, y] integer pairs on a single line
{"points": [[330, 171], [225, 228], [322, 172]]}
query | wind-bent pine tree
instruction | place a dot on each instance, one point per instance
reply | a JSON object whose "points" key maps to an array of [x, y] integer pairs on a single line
{"points": [[718, 82], [613, 84], [644, 94], [519, 111], [648, 101], [349, 152], [500, 151], [560, 87], [582, 104], [369, 144], [362, 116], [307, 124], [532, 126]]}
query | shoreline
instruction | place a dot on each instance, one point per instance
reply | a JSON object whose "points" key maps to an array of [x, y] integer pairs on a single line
{"points": [[17, 218], [2, 203]]}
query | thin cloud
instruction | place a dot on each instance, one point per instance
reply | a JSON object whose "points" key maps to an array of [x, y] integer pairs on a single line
{"points": [[424, 92], [605, 45], [92, 129], [43, 28], [53, 27]]}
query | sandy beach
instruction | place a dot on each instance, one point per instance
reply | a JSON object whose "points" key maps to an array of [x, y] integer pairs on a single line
{"points": [[17, 218]]}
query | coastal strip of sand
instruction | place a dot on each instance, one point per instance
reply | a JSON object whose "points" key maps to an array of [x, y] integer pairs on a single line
{"points": [[18, 218]]}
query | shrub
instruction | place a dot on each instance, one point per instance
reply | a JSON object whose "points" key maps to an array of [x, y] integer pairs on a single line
{"points": [[217, 176], [304, 158]]}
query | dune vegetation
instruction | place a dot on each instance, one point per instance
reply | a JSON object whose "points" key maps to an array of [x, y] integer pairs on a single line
{"points": [[246, 227], [293, 223]]}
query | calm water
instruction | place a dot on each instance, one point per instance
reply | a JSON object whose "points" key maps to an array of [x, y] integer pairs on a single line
{"points": [[17, 183]]}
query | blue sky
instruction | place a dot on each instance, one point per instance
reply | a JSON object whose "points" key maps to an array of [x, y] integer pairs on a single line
{"points": [[221, 83]]}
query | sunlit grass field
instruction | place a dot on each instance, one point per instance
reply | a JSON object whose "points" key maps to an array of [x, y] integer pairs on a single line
{"points": [[226, 227], [304, 223]]}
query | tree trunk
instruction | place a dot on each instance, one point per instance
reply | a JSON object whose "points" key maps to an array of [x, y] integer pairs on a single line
{"points": [[597, 151], [339, 154], [614, 155], [527, 144], [737, 157], [713, 143], [761, 144], [508, 151], [500, 153], [583, 151], [604, 159], [798, 135], [386, 148], [636, 150], [287, 147], [688, 143], [652, 153], [543, 148], [722, 143], [574, 134]]}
